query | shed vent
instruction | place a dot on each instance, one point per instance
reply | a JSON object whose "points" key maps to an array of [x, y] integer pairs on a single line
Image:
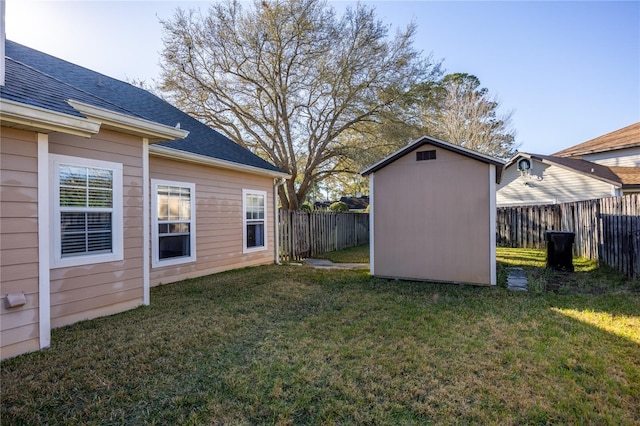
{"points": [[426, 155]]}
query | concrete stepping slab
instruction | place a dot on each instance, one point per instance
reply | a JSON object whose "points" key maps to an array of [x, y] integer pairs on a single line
{"points": [[517, 279], [327, 264]]}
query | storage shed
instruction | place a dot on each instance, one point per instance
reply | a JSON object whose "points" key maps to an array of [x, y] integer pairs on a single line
{"points": [[432, 212]]}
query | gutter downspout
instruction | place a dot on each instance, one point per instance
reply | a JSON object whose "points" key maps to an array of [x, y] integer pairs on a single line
{"points": [[276, 219]]}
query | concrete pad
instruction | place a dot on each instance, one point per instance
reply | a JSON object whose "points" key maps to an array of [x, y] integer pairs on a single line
{"points": [[327, 264], [517, 279]]}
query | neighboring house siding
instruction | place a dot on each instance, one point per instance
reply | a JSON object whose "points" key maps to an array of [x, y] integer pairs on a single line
{"points": [[548, 184], [431, 218], [19, 244], [90, 291], [621, 158], [219, 224]]}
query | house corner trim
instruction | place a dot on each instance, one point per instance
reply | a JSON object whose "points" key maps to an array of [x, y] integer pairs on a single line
{"points": [[492, 223], [371, 225], [146, 219], [44, 283]]}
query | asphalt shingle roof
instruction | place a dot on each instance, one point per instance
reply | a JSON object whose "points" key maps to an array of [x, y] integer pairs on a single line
{"points": [[582, 166], [627, 137], [37, 79]]}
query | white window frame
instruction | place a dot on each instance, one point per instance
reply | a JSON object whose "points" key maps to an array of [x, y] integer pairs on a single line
{"points": [[117, 217], [263, 247], [156, 262]]}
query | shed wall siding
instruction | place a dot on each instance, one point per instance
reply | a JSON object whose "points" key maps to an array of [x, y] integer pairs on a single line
{"points": [[432, 219], [19, 326], [90, 291], [219, 237], [548, 184]]}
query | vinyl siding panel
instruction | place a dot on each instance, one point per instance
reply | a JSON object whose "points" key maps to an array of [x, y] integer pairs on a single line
{"points": [[431, 219], [19, 240], [218, 219], [548, 184], [623, 158], [89, 291]]}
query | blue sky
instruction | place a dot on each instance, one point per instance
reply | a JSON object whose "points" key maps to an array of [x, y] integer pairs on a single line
{"points": [[569, 71]]}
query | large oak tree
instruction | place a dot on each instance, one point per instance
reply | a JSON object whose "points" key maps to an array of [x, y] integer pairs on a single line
{"points": [[291, 80]]}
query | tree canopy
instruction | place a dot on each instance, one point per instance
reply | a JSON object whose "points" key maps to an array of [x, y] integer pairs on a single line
{"points": [[291, 80], [463, 113]]}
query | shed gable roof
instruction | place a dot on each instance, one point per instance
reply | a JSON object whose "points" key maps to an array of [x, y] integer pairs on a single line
{"points": [[440, 144], [58, 81], [627, 137]]}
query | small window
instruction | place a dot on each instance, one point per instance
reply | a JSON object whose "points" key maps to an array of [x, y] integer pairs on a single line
{"points": [[426, 155], [87, 211], [173, 206], [254, 207]]}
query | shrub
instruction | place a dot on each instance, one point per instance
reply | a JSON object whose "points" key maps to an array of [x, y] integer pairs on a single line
{"points": [[306, 207], [339, 206]]}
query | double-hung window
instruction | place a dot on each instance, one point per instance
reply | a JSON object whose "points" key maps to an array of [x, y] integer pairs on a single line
{"points": [[173, 209], [87, 211], [254, 209]]}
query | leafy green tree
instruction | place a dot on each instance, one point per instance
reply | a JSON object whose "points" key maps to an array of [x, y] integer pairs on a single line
{"points": [[339, 206], [290, 80]]}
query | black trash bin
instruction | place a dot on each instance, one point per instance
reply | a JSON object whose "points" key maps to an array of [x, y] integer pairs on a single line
{"points": [[560, 250]]}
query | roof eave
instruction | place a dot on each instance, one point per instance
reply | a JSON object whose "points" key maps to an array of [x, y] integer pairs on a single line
{"points": [[29, 117], [172, 153], [548, 161], [154, 131]]}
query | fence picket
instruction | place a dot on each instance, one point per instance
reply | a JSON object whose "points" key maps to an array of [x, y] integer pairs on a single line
{"points": [[606, 229], [305, 234]]}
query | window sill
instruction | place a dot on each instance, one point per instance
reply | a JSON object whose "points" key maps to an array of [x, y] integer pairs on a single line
{"points": [[156, 264]]}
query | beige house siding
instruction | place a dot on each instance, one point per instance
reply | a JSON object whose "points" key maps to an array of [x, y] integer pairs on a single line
{"points": [[548, 184], [622, 158], [431, 218], [89, 291], [19, 242], [219, 237]]}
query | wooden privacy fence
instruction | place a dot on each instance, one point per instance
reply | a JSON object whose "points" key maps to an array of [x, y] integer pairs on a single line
{"points": [[606, 229], [305, 234]]}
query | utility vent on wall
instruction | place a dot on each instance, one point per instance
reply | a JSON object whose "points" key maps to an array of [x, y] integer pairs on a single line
{"points": [[426, 155]]}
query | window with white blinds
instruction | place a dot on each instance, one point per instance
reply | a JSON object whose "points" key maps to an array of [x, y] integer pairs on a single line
{"points": [[87, 211]]}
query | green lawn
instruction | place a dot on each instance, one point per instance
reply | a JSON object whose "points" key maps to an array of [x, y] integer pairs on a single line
{"points": [[295, 345], [358, 254]]}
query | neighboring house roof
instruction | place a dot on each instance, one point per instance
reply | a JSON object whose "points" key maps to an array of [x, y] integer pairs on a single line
{"points": [[36, 79], [356, 203], [583, 167], [627, 137], [441, 144], [629, 176]]}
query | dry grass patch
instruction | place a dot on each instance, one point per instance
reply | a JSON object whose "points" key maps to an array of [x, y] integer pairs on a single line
{"points": [[294, 345]]}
